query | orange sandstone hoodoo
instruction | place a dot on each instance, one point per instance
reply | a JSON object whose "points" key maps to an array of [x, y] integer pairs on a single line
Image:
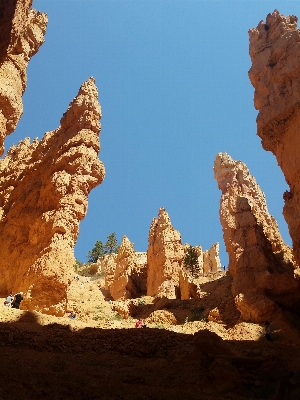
{"points": [[43, 195], [261, 264]]}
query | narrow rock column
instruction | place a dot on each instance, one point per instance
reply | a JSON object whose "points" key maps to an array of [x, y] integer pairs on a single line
{"points": [[164, 257], [260, 262]]}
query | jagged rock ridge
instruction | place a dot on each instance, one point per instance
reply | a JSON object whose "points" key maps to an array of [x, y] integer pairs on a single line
{"points": [[261, 264]]}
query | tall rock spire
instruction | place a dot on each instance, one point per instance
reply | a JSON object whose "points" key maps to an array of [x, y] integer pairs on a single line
{"points": [[44, 189], [164, 257], [260, 262]]}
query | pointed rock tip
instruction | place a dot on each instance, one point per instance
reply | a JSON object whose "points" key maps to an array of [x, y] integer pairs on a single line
{"points": [[89, 87]]}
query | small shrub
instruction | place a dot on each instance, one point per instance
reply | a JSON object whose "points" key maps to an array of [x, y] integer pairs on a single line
{"points": [[197, 314]]}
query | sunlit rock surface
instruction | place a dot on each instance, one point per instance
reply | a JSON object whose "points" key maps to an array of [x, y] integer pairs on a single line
{"points": [[261, 264], [22, 31], [164, 257], [275, 75], [44, 189]]}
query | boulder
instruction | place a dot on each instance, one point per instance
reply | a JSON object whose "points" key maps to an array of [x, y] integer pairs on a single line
{"points": [[163, 317]]}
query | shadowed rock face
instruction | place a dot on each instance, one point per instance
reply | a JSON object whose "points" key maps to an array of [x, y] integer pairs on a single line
{"points": [[275, 75], [44, 189], [260, 262], [164, 257], [22, 31]]}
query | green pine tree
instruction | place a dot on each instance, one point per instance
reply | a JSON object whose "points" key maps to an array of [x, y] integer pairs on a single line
{"points": [[191, 263], [97, 252], [112, 245]]}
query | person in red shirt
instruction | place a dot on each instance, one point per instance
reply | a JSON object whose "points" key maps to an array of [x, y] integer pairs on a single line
{"points": [[139, 323]]}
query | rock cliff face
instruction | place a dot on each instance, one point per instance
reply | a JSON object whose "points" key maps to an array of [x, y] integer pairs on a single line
{"points": [[22, 31], [275, 56], [44, 188], [260, 262], [165, 254]]}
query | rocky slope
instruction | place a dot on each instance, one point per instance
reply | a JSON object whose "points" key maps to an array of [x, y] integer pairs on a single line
{"points": [[44, 188], [260, 262], [22, 31], [275, 56]]}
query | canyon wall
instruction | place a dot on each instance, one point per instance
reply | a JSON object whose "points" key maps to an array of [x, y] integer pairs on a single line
{"points": [[22, 31], [275, 75], [261, 264], [44, 189], [164, 256]]}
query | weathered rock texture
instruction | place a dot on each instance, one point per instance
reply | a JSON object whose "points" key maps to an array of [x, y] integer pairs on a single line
{"points": [[188, 287], [22, 31], [260, 262], [211, 259], [165, 254], [44, 188], [208, 260], [130, 276], [275, 75], [125, 272]]}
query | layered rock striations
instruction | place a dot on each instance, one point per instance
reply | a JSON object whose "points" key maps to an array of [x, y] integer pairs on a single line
{"points": [[164, 256], [22, 31], [275, 75], [44, 189], [261, 264]]}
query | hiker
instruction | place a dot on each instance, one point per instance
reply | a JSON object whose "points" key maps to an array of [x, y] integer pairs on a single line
{"points": [[268, 331], [72, 315], [139, 323], [9, 299], [17, 301]]}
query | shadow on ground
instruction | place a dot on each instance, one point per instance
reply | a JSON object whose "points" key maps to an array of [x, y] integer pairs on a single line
{"points": [[59, 362]]}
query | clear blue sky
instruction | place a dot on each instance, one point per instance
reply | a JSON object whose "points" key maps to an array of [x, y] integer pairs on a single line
{"points": [[174, 89]]}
